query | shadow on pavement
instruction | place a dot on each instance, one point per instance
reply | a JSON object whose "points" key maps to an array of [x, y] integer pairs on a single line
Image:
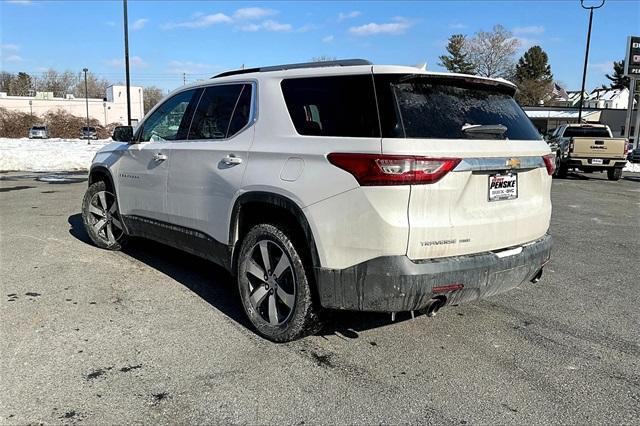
{"points": [[218, 288]]}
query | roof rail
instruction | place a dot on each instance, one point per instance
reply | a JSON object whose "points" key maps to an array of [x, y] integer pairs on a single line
{"points": [[338, 63]]}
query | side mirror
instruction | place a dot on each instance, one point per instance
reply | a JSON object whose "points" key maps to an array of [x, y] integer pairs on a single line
{"points": [[123, 134]]}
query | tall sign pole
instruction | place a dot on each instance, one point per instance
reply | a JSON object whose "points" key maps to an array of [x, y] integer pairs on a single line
{"points": [[586, 55], [126, 61], [632, 70]]}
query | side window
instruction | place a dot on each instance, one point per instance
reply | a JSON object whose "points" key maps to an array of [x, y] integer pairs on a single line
{"points": [[171, 120], [332, 106], [222, 112]]}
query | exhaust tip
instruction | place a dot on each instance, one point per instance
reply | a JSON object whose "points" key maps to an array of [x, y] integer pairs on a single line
{"points": [[537, 276], [433, 306]]}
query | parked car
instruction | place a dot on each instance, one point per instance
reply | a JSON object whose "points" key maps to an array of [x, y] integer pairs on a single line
{"points": [[634, 156], [39, 132], [588, 147], [88, 133], [335, 185]]}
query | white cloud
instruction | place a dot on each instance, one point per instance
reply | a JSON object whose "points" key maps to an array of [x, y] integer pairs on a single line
{"points": [[603, 67], [327, 39], [268, 25], [398, 26], [457, 26], [134, 62], [10, 53], [9, 46], [348, 15], [20, 2], [189, 67], [250, 13], [13, 58], [139, 24], [201, 21], [525, 42], [532, 29]]}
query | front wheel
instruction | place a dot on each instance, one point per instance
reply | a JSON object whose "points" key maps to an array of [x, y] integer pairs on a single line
{"points": [[101, 218], [614, 174], [274, 286]]}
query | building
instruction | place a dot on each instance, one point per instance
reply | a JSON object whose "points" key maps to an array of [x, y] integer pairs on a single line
{"points": [[608, 99], [547, 118], [111, 109]]}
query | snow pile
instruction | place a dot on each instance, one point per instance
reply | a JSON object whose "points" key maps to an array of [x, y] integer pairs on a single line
{"points": [[632, 167], [47, 155]]}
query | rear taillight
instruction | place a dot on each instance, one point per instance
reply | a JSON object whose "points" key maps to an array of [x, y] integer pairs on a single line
{"points": [[571, 145], [550, 163], [380, 170]]}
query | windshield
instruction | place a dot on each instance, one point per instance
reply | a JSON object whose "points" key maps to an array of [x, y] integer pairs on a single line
{"points": [[586, 132], [439, 108]]}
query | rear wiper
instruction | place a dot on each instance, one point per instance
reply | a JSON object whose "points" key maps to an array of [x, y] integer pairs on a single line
{"points": [[492, 129]]}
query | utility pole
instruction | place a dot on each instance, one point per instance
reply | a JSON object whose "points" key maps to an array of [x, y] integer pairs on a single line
{"points": [[126, 60], [86, 100], [586, 55]]}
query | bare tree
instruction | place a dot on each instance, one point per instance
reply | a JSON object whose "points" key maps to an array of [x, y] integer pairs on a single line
{"points": [[96, 87], [58, 83], [6, 78], [492, 52], [152, 95], [323, 58]]}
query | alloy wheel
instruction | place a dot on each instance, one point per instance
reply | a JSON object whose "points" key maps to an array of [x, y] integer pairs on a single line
{"points": [[272, 282], [104, 218]]}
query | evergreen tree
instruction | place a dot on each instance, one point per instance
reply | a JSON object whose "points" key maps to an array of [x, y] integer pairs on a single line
{"points": [[21, 85], [533, 77], [618, 80], [533, 65], [457, 61]]}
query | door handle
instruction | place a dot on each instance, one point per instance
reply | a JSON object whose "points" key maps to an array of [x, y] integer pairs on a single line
{"points": [[231, 160], [160, 157]]}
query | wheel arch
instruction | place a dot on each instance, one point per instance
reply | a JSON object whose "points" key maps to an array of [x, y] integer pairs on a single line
{"points": [[241, 220], [101, 173]]}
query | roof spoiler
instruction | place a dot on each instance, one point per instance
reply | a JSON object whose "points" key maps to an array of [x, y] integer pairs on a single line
{"points": [[321, 64]]}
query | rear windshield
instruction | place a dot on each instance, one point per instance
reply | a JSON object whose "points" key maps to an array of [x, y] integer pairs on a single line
{"points": [[90, 129], [413, 106], [38, 128], [586, 132]]}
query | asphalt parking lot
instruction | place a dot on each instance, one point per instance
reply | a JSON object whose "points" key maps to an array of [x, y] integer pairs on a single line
{"points": [[153, 335]]}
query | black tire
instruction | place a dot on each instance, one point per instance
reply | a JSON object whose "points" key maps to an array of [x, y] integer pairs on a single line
{"points": [[302, 318], [104, 228], [561, 171], [614, 174]]}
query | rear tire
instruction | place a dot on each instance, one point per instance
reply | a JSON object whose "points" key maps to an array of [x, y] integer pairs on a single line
{"points": [[101, 217], [561, 170], [614, 174], [274, 285]]}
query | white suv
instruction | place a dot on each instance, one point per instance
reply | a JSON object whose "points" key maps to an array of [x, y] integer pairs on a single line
{"points": [[341, 185]]}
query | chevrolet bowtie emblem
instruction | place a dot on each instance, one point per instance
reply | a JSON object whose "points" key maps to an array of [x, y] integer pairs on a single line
{"points": [[513, 163]]}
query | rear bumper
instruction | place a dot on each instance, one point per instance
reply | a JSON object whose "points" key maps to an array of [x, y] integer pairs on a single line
{"points": [[395, 283], [607, 163]]}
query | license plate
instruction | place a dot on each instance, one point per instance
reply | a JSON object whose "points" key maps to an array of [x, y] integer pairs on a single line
{"points": [[596, 161], [503, 186]]}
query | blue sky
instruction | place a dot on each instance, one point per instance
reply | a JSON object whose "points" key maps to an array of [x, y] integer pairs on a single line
{"points": [[201, 38]]}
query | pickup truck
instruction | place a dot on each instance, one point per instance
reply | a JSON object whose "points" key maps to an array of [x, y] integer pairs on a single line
{"points": [[588, 147]]}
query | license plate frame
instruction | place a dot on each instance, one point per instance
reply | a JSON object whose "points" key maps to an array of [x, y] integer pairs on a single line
{"points": [[597, 161], [499, 192]]}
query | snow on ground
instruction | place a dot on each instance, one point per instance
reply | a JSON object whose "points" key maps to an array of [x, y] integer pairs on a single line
{"points": [[47, 155], [632, 167]]}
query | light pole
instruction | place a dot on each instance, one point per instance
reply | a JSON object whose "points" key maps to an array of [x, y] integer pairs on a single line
{"points": [[104, 106], [126, 61], [31, 108], [586, 54], [86, 100]]}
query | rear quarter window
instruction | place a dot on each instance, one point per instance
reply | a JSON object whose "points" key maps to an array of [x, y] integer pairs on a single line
{"points": [[332, 106]]}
